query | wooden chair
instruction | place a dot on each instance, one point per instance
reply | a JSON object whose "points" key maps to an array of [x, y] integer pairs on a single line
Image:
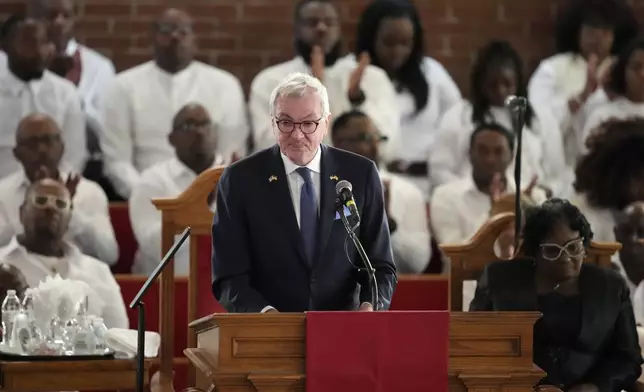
{"points": [[468, 260], [189, 209]]}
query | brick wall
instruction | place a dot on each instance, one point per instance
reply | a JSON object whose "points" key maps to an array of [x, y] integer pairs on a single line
{"points": [[244, 36]]}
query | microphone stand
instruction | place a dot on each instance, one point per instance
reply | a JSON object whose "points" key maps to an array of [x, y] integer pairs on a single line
{"points": [[137, 302], [518, 121], [371, 272]]}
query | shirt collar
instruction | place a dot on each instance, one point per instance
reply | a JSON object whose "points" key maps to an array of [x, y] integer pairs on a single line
{"points": [[15, 248], [314, 165], [12, 83], [510, 188]]}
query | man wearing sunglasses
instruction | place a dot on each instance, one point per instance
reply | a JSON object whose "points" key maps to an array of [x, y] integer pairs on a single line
{"points": [[194, 139], [355, 132], [41, 249], [39, 149]]}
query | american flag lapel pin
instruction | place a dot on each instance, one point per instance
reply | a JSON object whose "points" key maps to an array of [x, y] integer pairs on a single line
{"points": [[272, 178]]}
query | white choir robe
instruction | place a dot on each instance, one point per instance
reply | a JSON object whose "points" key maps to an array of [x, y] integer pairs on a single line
{"points": [[76, 266], [458, 210], [557, 80], [50, 95], [418, 130], [97, 74], [542, 153], [619, 108], [90, 227], [380, 98], [165, 179], [138, 109], [411, 242]]}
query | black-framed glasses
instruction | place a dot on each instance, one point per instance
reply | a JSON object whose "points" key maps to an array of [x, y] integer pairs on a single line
{"points": [[42, 201], [170, 28], [573, 249], [365, 137], [191, 125], [288, 126]]}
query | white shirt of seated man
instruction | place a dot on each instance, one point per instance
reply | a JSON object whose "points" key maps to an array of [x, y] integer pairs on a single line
{"points": [[138, 107], [27, 87], [458, 209], [194, 138], [405, 203], [41, 250], [351, 83], [39, 149]]}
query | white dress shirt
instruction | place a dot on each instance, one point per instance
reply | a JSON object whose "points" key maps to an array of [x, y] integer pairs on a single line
{"points": [[411, 241], [50, 95], [459, 209], [542, 152], [418, 130], [295, 183], [380, 103], [166, 179], [139, 107], [90, 227], [74, 265]]}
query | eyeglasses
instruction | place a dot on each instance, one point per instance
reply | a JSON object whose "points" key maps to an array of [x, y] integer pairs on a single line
{"points": [[190, 125], [365, 137], [307, 127], [170, 28], [42, 201], [573, 249]]}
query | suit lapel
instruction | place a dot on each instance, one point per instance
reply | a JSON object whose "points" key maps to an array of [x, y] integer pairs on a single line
{"points": [[328, 179], [281, 204]]}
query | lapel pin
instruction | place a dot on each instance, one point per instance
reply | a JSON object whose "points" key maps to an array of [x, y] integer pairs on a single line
{"points": [[334, 178], [272, 178]]}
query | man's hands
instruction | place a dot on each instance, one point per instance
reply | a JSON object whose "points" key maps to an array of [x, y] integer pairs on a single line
{"points": [[365, 307], [355, 92], [71, 183]]}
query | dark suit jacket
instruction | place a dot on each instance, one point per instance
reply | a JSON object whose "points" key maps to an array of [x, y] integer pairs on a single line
{"points": [[258, 253], [606, 352]]}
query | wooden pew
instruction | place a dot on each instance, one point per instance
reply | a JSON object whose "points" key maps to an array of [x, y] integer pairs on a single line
{"points": [[468, 260]]}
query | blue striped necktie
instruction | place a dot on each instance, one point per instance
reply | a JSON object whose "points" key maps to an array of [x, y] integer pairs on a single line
{"points": [[308, 213]]}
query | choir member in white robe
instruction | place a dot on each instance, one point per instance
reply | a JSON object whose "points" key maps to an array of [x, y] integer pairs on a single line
{"points": [[350, 83], [89, 70], [27, 87], [392, 34], [141, 103], [404, 202], [496, 75], [611, 175], [588, 35], [194, 139], [39, 148], [626, 87]]}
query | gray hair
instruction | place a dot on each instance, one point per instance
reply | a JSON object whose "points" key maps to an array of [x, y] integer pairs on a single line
{"points": [[297, 85]]}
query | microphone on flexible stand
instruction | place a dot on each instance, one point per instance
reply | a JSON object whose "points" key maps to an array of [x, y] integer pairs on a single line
{"points": [[345, 199], [517, 107]]}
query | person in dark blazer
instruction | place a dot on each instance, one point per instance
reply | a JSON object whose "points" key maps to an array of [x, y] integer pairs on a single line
{"points": [[278, 243], [586, 340]]}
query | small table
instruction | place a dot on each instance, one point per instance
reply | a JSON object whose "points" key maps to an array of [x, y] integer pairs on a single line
{"points": [[52, 376]]}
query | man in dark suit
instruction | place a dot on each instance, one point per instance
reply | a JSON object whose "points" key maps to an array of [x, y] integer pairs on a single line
{"points": [[278, 244]]}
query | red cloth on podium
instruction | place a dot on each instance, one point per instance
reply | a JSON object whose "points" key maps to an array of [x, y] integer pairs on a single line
{"points": [[377, 351]]}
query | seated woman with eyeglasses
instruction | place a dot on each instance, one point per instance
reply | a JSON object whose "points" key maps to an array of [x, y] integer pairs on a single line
{"points": [[586, 339]]}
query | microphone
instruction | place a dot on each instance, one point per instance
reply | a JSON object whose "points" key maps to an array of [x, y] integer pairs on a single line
{"points": [[515, 103], [344, 191], [137, 302]]}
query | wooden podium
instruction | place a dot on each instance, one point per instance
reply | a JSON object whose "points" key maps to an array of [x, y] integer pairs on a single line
{"points": [[489, 351]]}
